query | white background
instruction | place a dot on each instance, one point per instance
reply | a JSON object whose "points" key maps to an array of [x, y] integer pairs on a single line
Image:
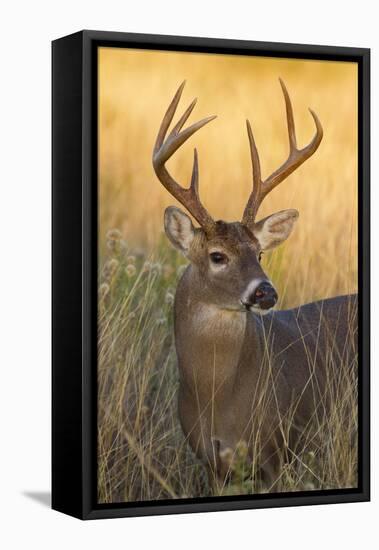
{"points": [[26, 31]]}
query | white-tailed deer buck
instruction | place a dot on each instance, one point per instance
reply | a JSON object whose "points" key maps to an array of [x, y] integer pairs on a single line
{"points": [[247, 378]]}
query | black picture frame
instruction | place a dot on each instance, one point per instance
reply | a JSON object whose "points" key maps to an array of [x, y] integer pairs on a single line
{"points": [[74, 272]]}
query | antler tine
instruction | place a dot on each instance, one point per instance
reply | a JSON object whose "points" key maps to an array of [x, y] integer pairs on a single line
{"points": [[195, 173], [179, 125], [254, 199], [295, 158], [167, 119], [290, 119], [165, 147]]}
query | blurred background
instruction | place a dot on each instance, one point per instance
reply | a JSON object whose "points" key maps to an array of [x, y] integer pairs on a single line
{"points": [[135, 87]]}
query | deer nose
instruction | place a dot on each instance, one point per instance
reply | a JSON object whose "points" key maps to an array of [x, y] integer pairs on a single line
{"points": [[265, 296]]}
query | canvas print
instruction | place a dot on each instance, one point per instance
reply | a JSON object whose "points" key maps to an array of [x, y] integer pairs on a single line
{"points": [[227, 275]]}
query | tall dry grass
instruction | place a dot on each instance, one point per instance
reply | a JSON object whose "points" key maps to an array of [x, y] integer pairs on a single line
{"points": [[142, 452]]}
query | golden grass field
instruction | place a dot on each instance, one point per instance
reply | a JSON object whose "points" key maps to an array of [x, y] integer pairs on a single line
{"points": [[142, 452]]}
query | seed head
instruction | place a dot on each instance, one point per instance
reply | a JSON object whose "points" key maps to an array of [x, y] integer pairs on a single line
{"points": [[110, 268], [130, 270], [103, 290], [227, 455], [114, 235], [117, 246], [131, 260], [242, 449], [169, 298], [157, 268]]}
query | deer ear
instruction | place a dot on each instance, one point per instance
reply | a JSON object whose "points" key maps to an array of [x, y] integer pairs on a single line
{"points": [[179, 228], [275, 229]]}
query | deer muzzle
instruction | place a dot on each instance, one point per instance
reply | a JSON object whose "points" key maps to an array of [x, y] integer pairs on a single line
{"points": [[263, 296]]}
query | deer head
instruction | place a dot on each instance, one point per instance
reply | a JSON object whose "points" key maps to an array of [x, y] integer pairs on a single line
{"points": [[227, 255]]}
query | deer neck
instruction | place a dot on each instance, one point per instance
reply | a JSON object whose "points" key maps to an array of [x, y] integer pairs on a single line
{"points": [[210, 340]]}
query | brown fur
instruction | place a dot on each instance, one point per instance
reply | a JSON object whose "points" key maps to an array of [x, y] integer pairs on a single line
{"points": [[226, 355]]}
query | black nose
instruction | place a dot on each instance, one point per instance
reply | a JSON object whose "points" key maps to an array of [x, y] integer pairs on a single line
{"points": [[264, 296]]}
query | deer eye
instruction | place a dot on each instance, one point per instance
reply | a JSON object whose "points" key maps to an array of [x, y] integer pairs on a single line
{"points": [[218, 258], [260, 256]]}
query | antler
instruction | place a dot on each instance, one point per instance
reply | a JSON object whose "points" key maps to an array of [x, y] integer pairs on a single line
{"points": [[165, 147], [295, 158]]}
